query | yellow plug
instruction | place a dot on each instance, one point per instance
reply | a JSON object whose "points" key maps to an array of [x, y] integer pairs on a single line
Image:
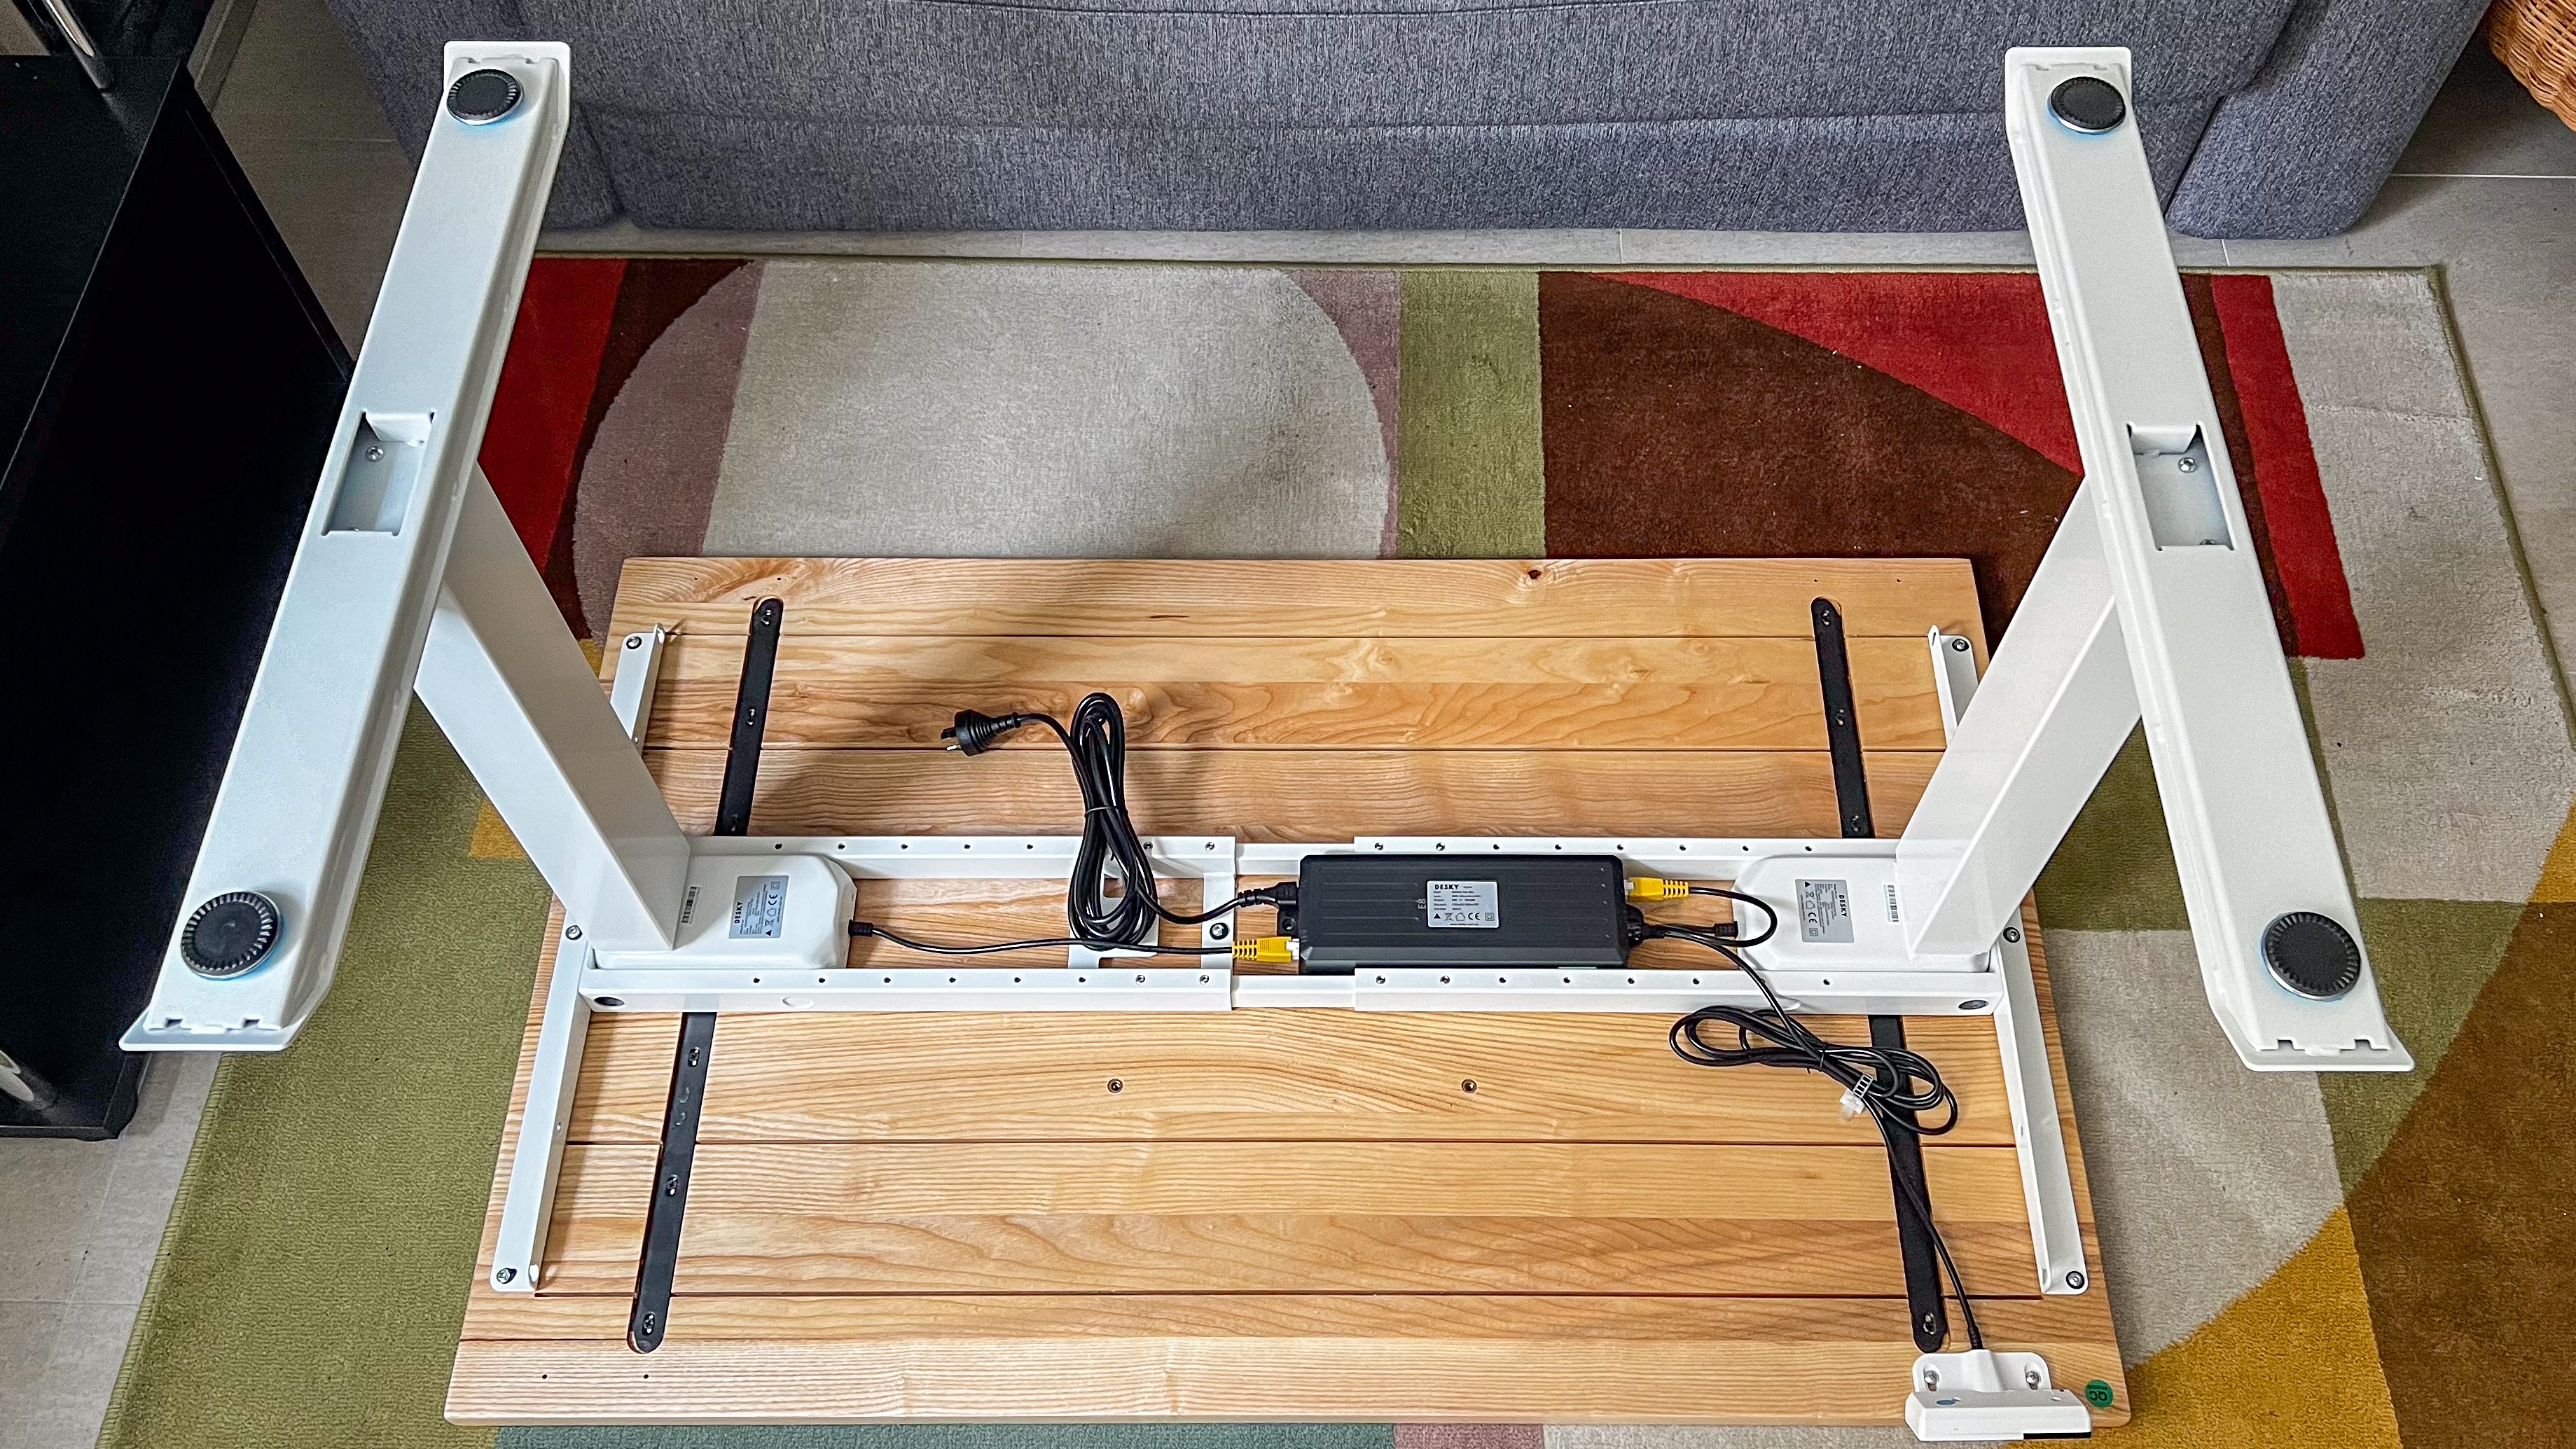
{"points": [[1269, 950], [1649, 888]]}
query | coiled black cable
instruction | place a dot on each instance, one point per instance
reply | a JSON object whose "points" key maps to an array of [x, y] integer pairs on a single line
{"points": [[1096, 743], [1882, 1080]]}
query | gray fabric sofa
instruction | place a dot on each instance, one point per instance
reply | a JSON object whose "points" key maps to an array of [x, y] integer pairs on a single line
{"points": [[2262, 117]]}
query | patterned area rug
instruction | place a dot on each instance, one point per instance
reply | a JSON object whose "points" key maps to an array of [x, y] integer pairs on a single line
{"points": [[2293, 1260]]}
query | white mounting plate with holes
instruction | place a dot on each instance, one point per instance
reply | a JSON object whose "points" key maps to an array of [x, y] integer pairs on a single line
{"points": [[1984, 1395]]}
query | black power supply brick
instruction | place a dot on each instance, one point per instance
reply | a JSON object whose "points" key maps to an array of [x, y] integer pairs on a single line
{"points": [[1368, 911]]}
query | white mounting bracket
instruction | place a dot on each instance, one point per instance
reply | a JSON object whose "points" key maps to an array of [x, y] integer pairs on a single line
{"points": [[1985, 1395]]}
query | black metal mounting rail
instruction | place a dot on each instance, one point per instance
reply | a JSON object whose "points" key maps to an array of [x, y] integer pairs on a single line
{"points": [[1926, 1313], [667, 1214]]}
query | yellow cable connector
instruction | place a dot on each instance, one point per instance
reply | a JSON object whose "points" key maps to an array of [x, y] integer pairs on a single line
{"points": [[1648, 888], [1270, 950]]}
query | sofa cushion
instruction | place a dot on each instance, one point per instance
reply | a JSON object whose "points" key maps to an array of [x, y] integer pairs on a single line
{"points": [[1853, 173], [1234, 64]]}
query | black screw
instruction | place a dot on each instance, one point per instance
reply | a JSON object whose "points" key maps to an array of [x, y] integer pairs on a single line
{"points": [[1467, 1086], [1219, 931], [634, 641], [1116, 1085], [1972, 1006], [2012, 933], [572, 933]]}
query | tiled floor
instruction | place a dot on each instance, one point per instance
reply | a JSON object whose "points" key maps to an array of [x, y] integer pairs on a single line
{"points": [[83, 1220], [2487, 192]]}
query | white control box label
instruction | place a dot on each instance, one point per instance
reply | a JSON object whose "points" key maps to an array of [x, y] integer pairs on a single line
{"points": [[759, 907], [1824, 910], [1472, 905]]}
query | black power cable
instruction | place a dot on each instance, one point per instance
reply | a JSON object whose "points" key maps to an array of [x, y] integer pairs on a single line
{"points": [[1096, 742], [1881, 1080]]}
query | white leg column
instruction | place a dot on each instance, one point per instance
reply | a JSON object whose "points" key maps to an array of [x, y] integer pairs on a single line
{"points": [[2042, 726], [519, 702]]}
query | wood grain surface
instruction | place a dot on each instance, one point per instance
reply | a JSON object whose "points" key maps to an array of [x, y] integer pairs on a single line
{"points": [[1299, 795], [1277, 1214], [1558, 1359], [1318, 1076], [1302, 598], [841, 691]]}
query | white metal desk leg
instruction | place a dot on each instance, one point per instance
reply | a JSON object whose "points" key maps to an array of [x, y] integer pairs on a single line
{"points": [[2272, 916], [528, 1203], [523, 708], [2027, 748]]}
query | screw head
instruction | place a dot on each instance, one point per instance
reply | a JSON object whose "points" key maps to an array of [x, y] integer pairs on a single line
{"points": [[1958, 646], [1467, 1086], [2075, 1278], [2012, 933], [1219, 930], [572, 933], [634, 641], [2030, 1377], [375, 454], [1116, 1085], [505, 1276]]}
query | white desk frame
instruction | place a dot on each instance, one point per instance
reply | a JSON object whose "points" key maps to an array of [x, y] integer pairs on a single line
{"points": [[410, 578]]}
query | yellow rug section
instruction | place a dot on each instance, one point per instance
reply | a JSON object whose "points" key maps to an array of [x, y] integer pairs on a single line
{"points": [[2558, 873], [492, 839], [2291, 1365]]}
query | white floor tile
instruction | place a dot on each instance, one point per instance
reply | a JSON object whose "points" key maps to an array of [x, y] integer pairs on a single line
{"points": [[51, 1189]]}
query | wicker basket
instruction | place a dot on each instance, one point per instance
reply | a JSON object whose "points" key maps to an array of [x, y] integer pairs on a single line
{"points": [[2536, 40]]}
